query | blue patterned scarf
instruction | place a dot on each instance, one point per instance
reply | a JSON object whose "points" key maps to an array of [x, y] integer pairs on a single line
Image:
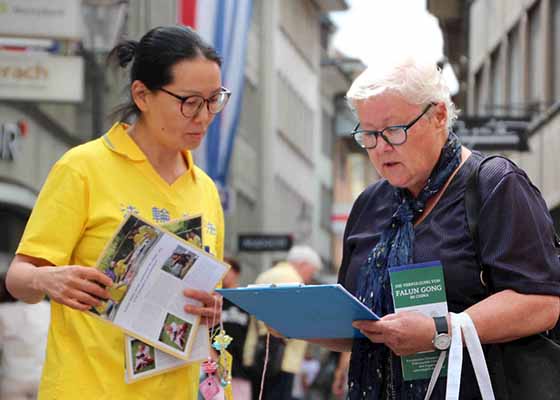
{"points": [[375, 372]]}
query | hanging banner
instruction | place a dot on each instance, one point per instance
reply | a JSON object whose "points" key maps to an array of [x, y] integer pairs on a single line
{"points": [[225, 25]]}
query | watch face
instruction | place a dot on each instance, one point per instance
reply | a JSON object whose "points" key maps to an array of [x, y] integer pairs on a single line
{"points": [[442, 341]]}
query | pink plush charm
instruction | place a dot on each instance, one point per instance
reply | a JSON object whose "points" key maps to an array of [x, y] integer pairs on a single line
{"points": [[209, 388]]}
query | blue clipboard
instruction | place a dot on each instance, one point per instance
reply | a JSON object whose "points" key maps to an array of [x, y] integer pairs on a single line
{"points": [[303, 312]]}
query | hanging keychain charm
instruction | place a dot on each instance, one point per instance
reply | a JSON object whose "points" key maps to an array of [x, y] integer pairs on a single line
{"points": [[210, 386]]}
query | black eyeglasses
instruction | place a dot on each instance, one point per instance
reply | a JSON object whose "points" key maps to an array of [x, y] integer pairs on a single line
{"points": [[191, 105], [394, 135]]}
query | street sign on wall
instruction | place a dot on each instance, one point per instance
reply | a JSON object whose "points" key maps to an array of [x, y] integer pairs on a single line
{"points": [[41, 18], [11, 134], [499, 133], [41, 77], [264, 242]]}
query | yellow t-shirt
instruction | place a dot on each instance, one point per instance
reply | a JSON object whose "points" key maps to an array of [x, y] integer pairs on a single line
{"points": [[82, 202]]}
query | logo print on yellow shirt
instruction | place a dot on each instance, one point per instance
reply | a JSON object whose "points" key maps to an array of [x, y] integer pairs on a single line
{"points": [[211, 228], [160, 215], [130, 209]]}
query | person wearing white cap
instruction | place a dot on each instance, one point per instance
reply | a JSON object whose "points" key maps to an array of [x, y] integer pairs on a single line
{"points": [[305, 261], [301, 264]]}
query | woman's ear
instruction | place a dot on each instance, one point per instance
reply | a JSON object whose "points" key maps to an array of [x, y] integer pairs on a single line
{"points": [[139, 93], [440, 115]]}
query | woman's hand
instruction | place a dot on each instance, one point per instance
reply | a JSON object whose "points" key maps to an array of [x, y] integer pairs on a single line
{"points": [[338, 386], [211, 309], [404, 333], [74, 286]]}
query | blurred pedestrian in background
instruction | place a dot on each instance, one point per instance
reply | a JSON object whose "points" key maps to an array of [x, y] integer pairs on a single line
{"points": [[236, 323], [285, 356], [303, 380], [23, 341]]}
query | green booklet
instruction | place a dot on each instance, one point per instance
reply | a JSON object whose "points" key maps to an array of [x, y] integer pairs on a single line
{"points": [[421, 288]]}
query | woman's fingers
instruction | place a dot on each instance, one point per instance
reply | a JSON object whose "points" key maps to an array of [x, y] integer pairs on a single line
{"points": [[94, 275], [76, 305], [208, 299], [75, 286], [85, 299], [92, 288], [211, 308], [373, 330]]}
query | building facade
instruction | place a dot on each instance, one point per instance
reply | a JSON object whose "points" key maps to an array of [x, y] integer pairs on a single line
{"points": [[509, 65], [282, 163], [41, 95]]}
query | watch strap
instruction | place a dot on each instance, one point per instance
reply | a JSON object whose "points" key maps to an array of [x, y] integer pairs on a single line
{"points": [[441, 325]]}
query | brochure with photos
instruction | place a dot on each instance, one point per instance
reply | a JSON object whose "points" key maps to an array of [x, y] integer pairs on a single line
{"points": [[144, 361], [150, 267]]}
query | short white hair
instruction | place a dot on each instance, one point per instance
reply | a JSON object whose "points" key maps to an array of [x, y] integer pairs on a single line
{"points": [[302, 253], [417, 81]]}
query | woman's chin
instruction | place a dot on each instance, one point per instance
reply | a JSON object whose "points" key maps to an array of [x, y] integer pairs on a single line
{"points": [[192, 143]]}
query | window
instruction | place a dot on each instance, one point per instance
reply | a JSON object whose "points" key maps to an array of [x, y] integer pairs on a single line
{"points": [[328, 136], [478, 101], [496, 105], [249, 127], [555, 49], [326, 208], [534, 61], [292, 213], [515, 74], [299, 21], [295, 119]]}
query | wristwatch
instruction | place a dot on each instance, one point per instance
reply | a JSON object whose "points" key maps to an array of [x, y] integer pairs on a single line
{"points": [[441, 340]]}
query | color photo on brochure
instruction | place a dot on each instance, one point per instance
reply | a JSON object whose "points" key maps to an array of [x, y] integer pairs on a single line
{"points": [[189, 229], [150, 268], [144, 361]]}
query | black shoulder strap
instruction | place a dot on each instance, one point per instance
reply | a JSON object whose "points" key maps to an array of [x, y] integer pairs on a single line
{"points": [[473, 204]]}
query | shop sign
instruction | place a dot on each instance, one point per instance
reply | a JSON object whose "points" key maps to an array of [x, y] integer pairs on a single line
{"points": [[41, 77], [264, 242], [493, 133], [10, 137], [41, 18]]}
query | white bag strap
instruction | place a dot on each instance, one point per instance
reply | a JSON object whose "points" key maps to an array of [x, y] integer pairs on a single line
{"points": [[435, 375], [463, 323]]}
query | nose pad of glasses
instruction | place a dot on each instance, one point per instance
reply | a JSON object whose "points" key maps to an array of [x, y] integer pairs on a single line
{"points": [[203, 112], [383, 142]]}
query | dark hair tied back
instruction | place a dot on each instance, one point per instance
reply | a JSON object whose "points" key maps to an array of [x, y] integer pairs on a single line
{"points": [[124, 52], [154, 56]]}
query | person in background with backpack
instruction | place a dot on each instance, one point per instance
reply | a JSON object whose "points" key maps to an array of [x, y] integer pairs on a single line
{"points": [[416, 213], [284, 356]]}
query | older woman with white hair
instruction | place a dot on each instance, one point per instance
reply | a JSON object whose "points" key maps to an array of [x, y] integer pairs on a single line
{"points": [[416, 213]]}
